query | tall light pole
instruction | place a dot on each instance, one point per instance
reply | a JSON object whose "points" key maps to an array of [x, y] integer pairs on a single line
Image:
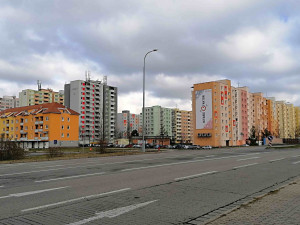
{"points": [[143, 126]]}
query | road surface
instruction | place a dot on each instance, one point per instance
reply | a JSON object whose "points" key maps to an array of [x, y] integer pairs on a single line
{"points": [[171, 187]]}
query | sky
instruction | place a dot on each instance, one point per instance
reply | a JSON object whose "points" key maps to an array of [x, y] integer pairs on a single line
{"points": [[253, 43]]}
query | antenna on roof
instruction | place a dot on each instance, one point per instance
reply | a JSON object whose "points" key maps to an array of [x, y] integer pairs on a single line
{"points": [[39, 83]]}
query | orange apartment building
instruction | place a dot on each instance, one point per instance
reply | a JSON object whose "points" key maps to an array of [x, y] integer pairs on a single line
{"points": [[212, 113], [41, 126]]}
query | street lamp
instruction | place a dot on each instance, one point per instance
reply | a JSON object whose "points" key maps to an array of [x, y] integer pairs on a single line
{"points": [[143, 126]]}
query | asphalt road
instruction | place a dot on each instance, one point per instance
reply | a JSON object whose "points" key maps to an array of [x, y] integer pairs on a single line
{"points": [[171, 187]]}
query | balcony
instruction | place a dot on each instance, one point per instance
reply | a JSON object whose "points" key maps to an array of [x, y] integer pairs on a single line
{"points": [[36, 122], [23, 132], [36, 138], [44, 138], [23, 139], [40, 130], [36, 130], [41, 122]]}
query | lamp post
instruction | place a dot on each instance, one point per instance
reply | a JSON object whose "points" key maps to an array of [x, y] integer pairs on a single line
{"points": [[143, 126]]}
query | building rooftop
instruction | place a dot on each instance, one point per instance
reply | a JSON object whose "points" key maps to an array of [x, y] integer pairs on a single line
{"points": [[42, 108]]}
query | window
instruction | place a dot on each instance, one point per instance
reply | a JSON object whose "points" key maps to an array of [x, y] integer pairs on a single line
{"points": [[68, 119], [68, 135], [26, 120], [68, 127], [62, 135], [46, 126], [47, 118], [62, 119], [62, 127]]}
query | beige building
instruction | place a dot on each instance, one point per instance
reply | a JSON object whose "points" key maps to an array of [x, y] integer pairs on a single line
{"points": [[286, 119], [260, 114], [182, 126], [272, 116], [297, 121], [212, 113], [36, 97]]}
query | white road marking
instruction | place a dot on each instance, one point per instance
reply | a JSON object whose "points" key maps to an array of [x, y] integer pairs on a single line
{"points": [[295, 156], [178, 163], [248, 158], [113, 213], [296, 162], [70, 177], [74, 200], [31, 192], [83, 165], [274, 160], [245, 166], [195, 175], [1, 186]]}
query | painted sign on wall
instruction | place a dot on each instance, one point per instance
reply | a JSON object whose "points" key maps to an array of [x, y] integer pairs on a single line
{"points": [[203, 109]]}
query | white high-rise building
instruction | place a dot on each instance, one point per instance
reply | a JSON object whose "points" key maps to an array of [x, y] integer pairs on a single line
{"points": [[97, 104], [8, 102]]}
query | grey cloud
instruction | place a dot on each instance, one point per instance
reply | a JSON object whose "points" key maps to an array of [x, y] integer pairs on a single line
{"points": [[113, 36]]}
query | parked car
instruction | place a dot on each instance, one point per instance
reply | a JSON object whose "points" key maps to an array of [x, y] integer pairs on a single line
{"points": [[136, 146], [207, 147]]}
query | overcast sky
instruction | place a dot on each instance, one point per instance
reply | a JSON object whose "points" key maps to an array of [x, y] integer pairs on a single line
{"points": [[254, 43]]}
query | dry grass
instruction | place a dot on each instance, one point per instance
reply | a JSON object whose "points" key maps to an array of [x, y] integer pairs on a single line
{"points": [[90, 154]]}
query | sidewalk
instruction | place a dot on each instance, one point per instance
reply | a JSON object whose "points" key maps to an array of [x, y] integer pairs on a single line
{"points": [[278, 207]]}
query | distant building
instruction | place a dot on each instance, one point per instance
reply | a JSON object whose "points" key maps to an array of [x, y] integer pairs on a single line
{"points": [[8, 102], [35, 97], [286, 119], [41, 126], [97, 104], [182, 126], [297, 122], [127, 123], [158, 121]]}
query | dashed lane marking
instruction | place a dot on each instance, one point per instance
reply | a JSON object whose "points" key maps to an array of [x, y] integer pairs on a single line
{"points": [[195, 175], [70, 177]]}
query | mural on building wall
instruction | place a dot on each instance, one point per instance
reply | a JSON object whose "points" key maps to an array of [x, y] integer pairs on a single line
{"points": [[204, 109]]}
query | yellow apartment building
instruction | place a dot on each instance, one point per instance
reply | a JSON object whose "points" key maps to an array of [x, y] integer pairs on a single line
{"points": [[41, 126]]}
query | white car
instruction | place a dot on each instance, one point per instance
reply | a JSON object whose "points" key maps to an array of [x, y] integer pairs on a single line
{"points": [[207, 147]]}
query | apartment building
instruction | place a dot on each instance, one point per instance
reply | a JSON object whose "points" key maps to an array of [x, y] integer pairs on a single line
{"points": [[291, 121], [212, 113], [34, 97], [8, 102], [97, 104], [41, 126], [297, 122], [158, 121], [182, 126], [126, 123], [239, 115], [286, 119], [272, 116], [260, 114]]}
